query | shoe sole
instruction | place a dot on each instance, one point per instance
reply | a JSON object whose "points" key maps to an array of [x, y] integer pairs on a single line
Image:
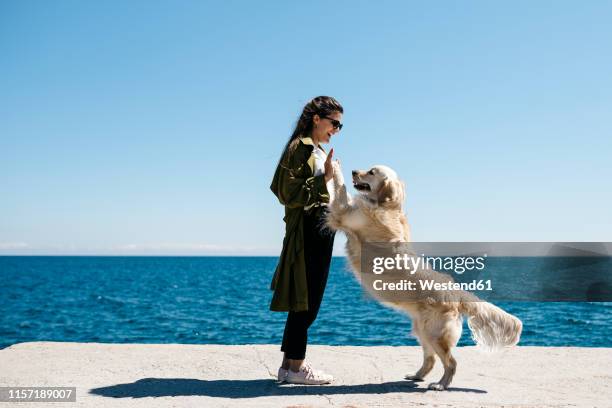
{"points": [[305, 383]]}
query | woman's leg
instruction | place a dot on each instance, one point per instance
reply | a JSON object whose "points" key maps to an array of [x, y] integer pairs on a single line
{"points": [[295, 338], [318, 245]]}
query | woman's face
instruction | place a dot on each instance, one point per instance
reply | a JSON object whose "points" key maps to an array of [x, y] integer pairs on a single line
{"points": [[326, 126]]}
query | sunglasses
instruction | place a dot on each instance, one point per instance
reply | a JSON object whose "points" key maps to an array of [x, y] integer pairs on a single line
{"points": [[335, 123]]}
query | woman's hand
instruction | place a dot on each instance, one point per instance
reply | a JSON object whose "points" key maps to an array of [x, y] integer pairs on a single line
{"points": [[329, 169]]}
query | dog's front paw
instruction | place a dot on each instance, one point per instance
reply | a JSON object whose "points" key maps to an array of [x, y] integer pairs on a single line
{"points": [[413, 377], [338, 177], [436, 387]]}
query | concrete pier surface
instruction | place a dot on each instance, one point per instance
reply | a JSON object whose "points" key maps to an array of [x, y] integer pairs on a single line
{"points": [[182, 375]]}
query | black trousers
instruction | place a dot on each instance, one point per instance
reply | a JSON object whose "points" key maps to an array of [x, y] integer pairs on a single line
{"points": [[318, 245]]}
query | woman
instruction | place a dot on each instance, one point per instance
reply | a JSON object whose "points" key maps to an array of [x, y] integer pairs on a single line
{"points": [[303, 184]]}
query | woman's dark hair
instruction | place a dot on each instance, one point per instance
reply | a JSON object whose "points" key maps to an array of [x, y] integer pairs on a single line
{"points": [[322, 106]]}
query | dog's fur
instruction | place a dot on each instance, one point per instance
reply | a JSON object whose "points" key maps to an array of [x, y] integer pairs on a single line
{"points": [[376, 215]]}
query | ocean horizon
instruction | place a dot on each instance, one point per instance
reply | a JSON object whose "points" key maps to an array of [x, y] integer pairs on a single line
{"points": [[225, 300]]}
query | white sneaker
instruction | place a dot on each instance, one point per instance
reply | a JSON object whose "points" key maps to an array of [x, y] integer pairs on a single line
{"points": [[282, 374], [307, 375]]}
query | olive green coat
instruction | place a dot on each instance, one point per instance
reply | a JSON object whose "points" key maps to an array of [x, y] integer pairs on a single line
{"points": [[298, 190]]}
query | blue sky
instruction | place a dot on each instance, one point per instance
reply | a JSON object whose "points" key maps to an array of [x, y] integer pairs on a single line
{"points": [[155, 127]]}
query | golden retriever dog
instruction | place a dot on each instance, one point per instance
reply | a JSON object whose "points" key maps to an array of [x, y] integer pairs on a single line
{"points": [[375, 215]]}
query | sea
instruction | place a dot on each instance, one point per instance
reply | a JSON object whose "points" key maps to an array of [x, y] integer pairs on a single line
{"points": [[225, 300]]}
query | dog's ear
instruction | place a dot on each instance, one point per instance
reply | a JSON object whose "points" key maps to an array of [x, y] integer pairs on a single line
{"points": [[391, 191]]}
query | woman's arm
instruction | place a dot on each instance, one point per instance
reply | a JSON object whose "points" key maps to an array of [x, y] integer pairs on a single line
{"points": [[294, 190]]}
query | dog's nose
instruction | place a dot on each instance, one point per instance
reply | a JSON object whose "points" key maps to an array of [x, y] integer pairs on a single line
{"points": [[354, 172]]}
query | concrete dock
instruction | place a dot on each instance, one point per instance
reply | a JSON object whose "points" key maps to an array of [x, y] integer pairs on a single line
{"points": [[181, 375]]}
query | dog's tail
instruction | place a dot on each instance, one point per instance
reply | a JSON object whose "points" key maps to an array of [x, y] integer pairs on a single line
{"points": [[491, 327]]}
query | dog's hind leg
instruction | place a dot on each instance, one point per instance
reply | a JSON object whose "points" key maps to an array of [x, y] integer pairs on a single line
{"points": [[429, 359], [442, 347]]}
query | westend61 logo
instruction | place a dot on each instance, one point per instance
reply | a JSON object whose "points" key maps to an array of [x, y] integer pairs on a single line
{"points": [[456, 264]]}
